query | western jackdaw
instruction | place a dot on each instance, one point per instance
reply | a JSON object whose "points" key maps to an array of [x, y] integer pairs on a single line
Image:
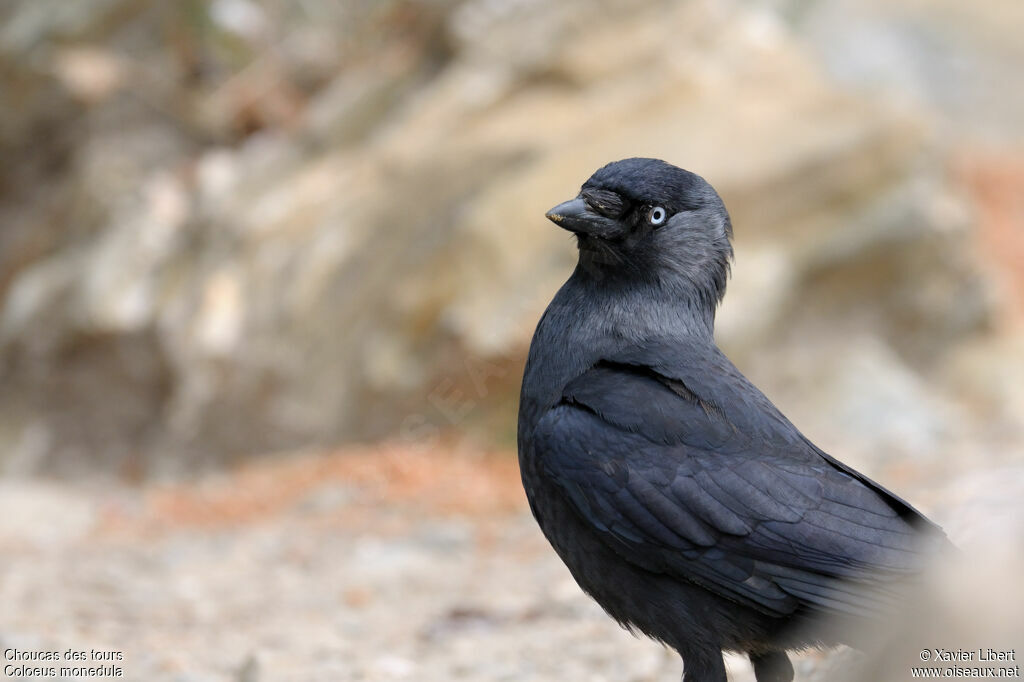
{"points": [[678, 495]]}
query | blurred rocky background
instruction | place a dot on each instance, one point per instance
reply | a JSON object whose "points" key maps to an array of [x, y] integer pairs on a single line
{"points": [[268, 271]]}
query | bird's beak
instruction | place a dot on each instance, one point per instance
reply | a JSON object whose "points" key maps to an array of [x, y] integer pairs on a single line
{"points": [[574, 215]]}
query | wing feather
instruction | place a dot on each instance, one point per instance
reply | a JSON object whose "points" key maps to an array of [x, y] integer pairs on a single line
{"points": [[675, 484]]}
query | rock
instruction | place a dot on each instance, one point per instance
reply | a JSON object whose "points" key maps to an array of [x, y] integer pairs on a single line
{"points": [[951, 60], [278, 260], [863, 404]]}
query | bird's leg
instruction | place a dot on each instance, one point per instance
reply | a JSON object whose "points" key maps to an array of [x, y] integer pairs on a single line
{"points": [[704, 665], [773, 666]]}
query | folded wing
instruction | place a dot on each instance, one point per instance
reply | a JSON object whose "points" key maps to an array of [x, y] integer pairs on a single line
{"points": [[748, 509]]}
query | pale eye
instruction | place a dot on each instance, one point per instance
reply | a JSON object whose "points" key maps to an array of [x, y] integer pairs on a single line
{"points": [[656, 216]]}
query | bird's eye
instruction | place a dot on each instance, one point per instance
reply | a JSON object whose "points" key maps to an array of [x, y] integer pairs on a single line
{"points": [[656, 215]]}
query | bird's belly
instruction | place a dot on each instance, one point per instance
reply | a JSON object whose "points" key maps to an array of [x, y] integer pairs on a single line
{"points": [[675, 611], [636, 598]]}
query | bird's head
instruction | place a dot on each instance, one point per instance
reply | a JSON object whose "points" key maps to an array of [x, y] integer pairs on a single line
{"points": [[646, 220]]}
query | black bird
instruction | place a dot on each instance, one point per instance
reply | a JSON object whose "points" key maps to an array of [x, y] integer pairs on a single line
{"points": [[678, 495]]}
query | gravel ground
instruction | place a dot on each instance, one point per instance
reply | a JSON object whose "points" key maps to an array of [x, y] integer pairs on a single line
{"points": [[363, 566]]}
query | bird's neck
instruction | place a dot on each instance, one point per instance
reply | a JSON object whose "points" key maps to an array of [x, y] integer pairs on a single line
{"points": [[642, 305], [589, 320]]}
